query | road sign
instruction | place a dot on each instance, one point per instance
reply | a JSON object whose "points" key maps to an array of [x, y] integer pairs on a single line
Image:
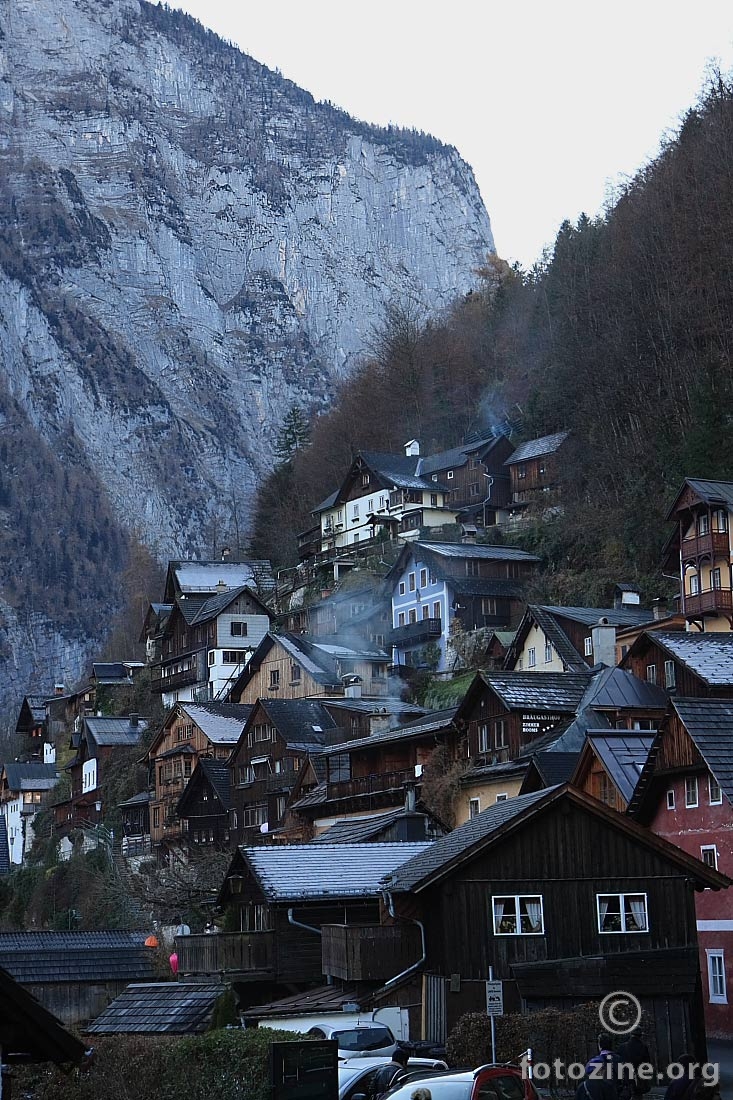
{"points": [[494, 999]]}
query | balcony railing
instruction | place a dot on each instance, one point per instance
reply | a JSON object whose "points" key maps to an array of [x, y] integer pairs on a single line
{"points": [[226, 953], [282, 781], [414, 633], [371, 784], [714, 543], [711, 601], [368, 952], [159, 682]]}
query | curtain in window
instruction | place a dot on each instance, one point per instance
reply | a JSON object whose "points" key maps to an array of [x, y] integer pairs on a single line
{"points": [[498, 914], [534, 914], [602, 912], [638, 912]]}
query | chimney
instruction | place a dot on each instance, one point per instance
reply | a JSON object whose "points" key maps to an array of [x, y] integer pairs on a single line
{"points": [[468, 533], [58, 689], [659, 609], [225, 553], [221, 586], [134, 721], [410, 799], [352, 687], [412, 447], [604, 643]]}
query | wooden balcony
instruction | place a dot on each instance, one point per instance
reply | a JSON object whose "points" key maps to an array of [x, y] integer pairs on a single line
{"points": [[713, 601], [356, 953], [371, 784], [714, 544], [282, 781], [415, 633], [158, 682], [231, 953]]}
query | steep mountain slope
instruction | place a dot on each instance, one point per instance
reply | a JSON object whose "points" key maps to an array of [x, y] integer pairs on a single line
{"points": [[188, 246]]}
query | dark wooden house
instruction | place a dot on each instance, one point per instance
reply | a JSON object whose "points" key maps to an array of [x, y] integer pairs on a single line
{"points": [[30, 1033], [477, 477], [204, 807], [534, 472], [277, 900], [684, 663], [567, 901]]}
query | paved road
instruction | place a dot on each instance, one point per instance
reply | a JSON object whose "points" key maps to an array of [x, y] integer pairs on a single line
{"points": [[722, 1053]]}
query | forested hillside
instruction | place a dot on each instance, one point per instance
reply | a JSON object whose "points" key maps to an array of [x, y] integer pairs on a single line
{"points": [[624, 335]]}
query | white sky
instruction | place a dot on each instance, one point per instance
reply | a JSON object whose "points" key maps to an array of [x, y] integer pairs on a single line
{"points": [[550, 101]]}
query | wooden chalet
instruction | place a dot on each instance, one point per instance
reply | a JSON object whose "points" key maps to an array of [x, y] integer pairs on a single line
{"points": [[135, 814], [684, 663], [277, 739], [204, 808], [534, 472], [31, 725], [686, 797], [569, 639], [566, 900], [701, 550], [610, 766], [100, 740], [290, 666], [477, 477], [357, 613], [377, 772], [189, 732], [278, 901]]}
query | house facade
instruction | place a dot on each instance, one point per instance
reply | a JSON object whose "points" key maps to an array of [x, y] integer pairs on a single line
{"points": [[684, 663], [23, 790], [569, 639], [534, 473], [441, 589], [700, 549]]}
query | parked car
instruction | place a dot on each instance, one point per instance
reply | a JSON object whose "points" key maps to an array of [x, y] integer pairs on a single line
{"points": [[485, 1083], [356, 1075], [371, 1039]]}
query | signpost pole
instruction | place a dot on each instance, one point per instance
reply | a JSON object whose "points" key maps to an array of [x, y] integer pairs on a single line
{"points": [[493, 1023]]}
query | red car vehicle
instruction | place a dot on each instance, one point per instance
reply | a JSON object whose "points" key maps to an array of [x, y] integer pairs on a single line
{"points": [[485, 1083]]}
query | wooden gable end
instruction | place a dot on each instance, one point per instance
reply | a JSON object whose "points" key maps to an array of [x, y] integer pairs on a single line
{"points": [[592, 777], [274, 679], [676, 748]]}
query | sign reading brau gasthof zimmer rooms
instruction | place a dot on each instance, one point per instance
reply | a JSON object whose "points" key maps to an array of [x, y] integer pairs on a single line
{"points": [[304, 1070]]}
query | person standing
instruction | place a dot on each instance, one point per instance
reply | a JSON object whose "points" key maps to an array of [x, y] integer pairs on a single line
{"points": [[634, 1052], [390, 1074], [602, 1074]]}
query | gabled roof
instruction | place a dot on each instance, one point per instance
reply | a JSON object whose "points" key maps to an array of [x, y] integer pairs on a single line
{"points": [[708, 656], [113, 732], [536, 448], [170, 1008], [710, 492], [398, 470], [590, 616], [222, 723], [319, 660], [554, 767], [32, 713], [30, 1033], [458, 456], [298, 721], [299, 872], [357, 830], [115, 672], [445, 855], [218, 777], [546, 691], [196, 613], [51, 957], [428, 724], [474, 550], [548, 624], [623, 756], [203, 577], [709, 723], [30, 776], [618, 689]]}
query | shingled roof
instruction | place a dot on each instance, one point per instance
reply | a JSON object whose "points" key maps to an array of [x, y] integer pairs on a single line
{"points": [[170, 1008], [708, 656], [546, 691], [429, 723], [711, 492], [37, 958], [623, 756], [30, 1033], [709, 723], [298, 872], [30, 776], [222, 723], [536, 448]]}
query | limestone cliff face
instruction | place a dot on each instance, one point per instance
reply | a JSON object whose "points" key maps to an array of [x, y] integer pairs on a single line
{"points": [[189, 244]]}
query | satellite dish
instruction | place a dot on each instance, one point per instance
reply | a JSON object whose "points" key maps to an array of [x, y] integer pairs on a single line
{"points": [[264, 827]]}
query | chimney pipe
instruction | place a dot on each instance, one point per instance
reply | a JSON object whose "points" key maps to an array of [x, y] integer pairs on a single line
{"points": [[134, 721], [410, 800], [604, 643]]}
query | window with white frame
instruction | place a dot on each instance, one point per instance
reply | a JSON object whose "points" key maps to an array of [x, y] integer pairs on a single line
{"points": [[518, 915], [670, 675], [483, 738], [691, 792], [548, 652], [436, 610], [694, 584], [474, 807], [411, 581], [622, 913], [211, 657], [709, 855], [651, 674], [502, 797], [238, 628], [531, 657], [423, 578], [588, 646], [449, 475], [355, 511], [402, 588], [715, 795], [400, 618], [500, 733], [716, 580], [718, 993], [670, 800]]}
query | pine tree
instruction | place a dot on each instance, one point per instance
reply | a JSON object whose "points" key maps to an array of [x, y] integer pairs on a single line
{"points": [[294, 435]]}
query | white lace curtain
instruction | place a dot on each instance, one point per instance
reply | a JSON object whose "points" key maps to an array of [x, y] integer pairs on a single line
{"points": [[638, 912], [602, 912], [534, 914], [498, 915]]}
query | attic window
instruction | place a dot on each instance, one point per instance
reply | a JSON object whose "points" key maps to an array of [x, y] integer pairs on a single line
{"points": [[365, 479], [588, 646], [239, 629], [714, 792], [449, 475]]}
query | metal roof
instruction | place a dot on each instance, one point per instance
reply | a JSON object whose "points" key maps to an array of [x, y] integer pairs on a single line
{"points": [[442, 852], [456, 456], [712, 492], [623, 756], [398, 470], [222, 723], [708, 656], [429, 723], [709, 723], [590, 616], [30, 776], [355, 830], [299, 721], [51, 957], [297, 872], [204, 576], [108, 732], [115, 672], [547, 691], [475, 550], [555, 767], [326, 998], [618, 689], [171, 1008], [536, 448]]}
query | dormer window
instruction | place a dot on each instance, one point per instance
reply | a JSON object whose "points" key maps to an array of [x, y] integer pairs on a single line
{"points": [[365, 479]]}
